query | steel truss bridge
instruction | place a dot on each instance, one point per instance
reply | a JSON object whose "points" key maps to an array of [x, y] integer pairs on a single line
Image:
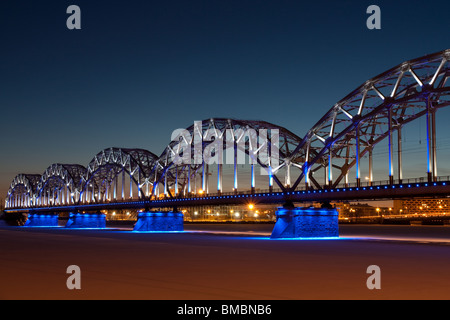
{"points": [[204, 164]]}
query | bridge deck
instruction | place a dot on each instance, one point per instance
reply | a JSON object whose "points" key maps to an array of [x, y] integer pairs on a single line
{"points": [[380, 192]]}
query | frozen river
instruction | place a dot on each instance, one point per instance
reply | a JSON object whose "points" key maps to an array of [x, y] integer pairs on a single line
{"points": [[222, 262]]}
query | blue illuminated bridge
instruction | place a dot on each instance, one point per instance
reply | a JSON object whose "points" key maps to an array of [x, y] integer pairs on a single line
{"points": [[228, 161]]}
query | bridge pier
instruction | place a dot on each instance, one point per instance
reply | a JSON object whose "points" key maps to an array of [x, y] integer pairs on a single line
{"points": [[159, 221], [41, 220], [305, 223], [86, 220]]}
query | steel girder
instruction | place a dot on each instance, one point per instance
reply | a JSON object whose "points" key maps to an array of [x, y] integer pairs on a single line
{"points": [[23, 188], [106, 166], [61, 181], [370, 114], [177, 176]]}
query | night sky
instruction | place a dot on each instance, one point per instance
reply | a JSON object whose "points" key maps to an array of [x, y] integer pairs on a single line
{"points": [[137, 70]]}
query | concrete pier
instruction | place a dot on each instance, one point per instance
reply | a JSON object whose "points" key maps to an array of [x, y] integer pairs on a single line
{"points": [[159, 221], [86, 220], [41, 220], [305, 223]]}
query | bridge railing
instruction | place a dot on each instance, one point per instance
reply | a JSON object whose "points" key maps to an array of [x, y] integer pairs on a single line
{"points": [[244, 192], [395, 181]]}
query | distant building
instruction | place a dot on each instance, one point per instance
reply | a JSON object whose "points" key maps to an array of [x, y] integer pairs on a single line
{"points": [[354, 211], [422, 206]]}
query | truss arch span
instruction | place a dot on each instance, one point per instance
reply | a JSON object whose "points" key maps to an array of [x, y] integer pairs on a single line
{"points": [[371, 114], [22, 190], [134, 167], [60, 184], [196, 158]]}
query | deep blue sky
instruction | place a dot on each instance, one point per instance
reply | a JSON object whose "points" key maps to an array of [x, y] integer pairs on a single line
{"points": [[139, 69]]}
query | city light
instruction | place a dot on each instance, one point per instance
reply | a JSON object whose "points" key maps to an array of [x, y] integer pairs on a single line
{"points": [[251, 206]]}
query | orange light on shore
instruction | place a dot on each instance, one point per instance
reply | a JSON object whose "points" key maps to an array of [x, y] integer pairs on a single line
{"points": [[251, 206]]}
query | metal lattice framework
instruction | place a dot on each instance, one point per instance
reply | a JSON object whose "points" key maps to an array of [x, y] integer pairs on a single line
{"points": [[376, 111], [226, 140], [100, 181], [60, 184], [22, 191], [370, 114]]}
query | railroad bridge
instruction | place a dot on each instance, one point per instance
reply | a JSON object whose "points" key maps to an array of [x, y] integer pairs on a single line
{"points": [[231, 161]]}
